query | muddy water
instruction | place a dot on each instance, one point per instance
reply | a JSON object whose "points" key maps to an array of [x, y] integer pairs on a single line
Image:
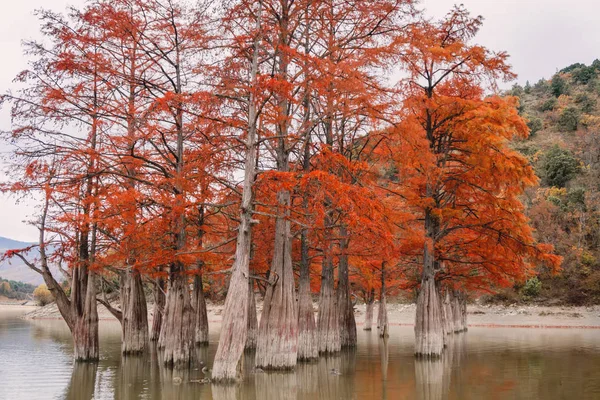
{"points": [[35, 363]]}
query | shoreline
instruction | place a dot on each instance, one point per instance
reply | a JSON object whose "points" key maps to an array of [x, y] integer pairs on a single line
{"points": [[479, 316]]}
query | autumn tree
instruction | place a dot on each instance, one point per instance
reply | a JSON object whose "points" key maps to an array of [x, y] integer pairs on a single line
{"points": [[462, 179], [235, 318], [354, 40], [58, 133]]}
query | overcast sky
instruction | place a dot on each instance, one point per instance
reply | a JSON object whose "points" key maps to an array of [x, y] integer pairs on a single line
{"points": [[540, 35]]}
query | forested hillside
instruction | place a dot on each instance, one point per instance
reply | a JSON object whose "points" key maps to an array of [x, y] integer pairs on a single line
{"points": [[15, 289], [564, 147]]}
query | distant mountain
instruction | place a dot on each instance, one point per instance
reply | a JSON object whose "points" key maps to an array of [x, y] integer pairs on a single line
{"points": [[7, 244], [16, 270]]}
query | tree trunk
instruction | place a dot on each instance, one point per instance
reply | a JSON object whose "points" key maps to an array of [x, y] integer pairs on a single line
{"points": [[252, 317], [177, 333], [345, 306], [79, 311], [277, 344], [134, 323], [369, 305], [85, 330], [159, 309], [429, 330], [308, 348], [328, 321], [234, 327], [463, 312], [382, 316], [448, 315], [201, 331], [384, 327]]}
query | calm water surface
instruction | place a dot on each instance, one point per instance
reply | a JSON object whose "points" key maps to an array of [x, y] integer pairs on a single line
{"points": [[35, 363]]}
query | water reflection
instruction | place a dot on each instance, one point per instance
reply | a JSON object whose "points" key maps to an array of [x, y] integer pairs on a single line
{"points": [[226, 392], [497, 363], [276, 385], [83, 381], [307, 374], [433, 376], [131, 378], [384, 355]]}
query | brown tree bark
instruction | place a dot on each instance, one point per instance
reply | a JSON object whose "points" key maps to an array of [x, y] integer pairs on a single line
{"points": [[134, 322], [328, 320], [382, 323], [456, 317], [307, 329], [277, 344], [79, 311], [429, 330], [252, 317], [201, 331], [369, 305], [448, 315], [384, 327], [234, 328], [178, 328], [159, 309], [85, 329], [382, 315], [345, 306], [462, 307]]}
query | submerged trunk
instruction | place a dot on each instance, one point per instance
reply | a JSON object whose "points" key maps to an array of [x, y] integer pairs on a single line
{"points": [[277, 344], [463, 311], [159, 309], [429, 330], [134, 323], [382, 317], [383, 329], [234, 327], [448, 315], [345, 306], [328, 321], [177, 333], [369, 305], [252, 317], [201, 331], [308, 348], [85, 328], [79, 311]]}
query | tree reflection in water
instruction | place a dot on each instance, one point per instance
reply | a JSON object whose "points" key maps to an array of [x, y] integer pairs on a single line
{"points": [[83, 381], [433, 375], [131, 378], [384, 355]]}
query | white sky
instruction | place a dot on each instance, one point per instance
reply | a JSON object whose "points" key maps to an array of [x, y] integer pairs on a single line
{"points": [[541, 36]]}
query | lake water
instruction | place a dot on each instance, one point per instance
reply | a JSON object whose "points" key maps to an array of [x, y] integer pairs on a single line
{"points": [[485, 363]]}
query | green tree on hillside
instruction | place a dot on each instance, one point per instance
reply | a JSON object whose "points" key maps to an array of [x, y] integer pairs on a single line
{"points": [[568, 120], [559, 167], [558, 85]]}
